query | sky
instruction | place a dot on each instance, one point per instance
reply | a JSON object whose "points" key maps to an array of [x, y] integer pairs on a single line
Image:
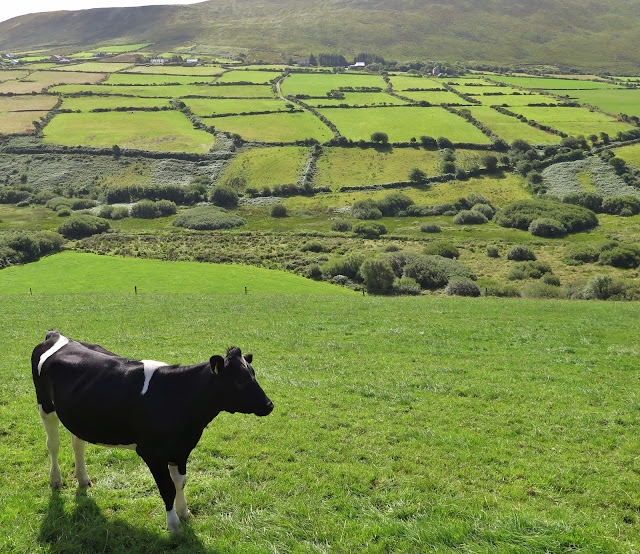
{"points": [[9, 9]]}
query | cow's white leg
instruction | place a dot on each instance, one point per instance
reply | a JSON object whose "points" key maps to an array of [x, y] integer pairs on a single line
{"points": [[173, 521], [181, 502], [51, 426], [81, 469]]}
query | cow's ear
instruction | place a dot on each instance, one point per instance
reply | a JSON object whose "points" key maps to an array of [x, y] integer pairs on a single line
{"points": [[217, 364], [248, 357]]}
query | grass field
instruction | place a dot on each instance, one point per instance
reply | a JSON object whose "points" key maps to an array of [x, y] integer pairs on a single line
{"points": [[262, 167], [475, 90], [358, 99], [275, 127], [138, 79], [320, 84], [13, 123], [96, 67], [630, 154], [509, 128], [625, 101], [12, 74], [553, 84], [402, 82], [165, 131], [171, 91], [256, 77], [574, 121], [206, 107], [435, 97], [403, 123], [400, 424], [93, 102], [31, 102], [173, 70], [521, 99], [39, 80]]}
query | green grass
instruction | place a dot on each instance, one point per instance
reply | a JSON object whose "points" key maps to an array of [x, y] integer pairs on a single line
{"points": [[630, 154], [521, 99], [262, 167], [574, 121], [435, 97], [12, 123], [625, 101], [479, 91], [88, 103], [206, 107], [510, 128], [28, 103], [276, 127], [170, 91], [357, 99], [320, 84], [165, 131], [137, 79], [553, 84], [173, 70], [96, 67], [256, 77], [39, 80], [403, 123], [403, 82], [400, 425]]}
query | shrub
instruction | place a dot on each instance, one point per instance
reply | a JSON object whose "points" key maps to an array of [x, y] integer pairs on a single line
{"points": [[501, 291], [462, 287], [546, 227], [312, 246], [370, 230], [393, 203], [433, 272], [623, 256], [448, 167], [341, 225], [82, 203], [519, 215], [380, 137], [543, 291], [80, 226], [145, 209], [581, 254], [493, 251], [63, 211], [520, 253], [377, 275], [58, 202], [13, 196], [224, 196], [391, 248], [469, 217], [314, 272], [166, 208], [417, 176], [550, 280], [278, 210], [616, 205], [587, 200], [528, 270], [365, 209], [442, 248], [489, 161], [405, 286], [348, 265], [113, 212], [207, 218], [430, 228], [602, 287], [484, 209]]}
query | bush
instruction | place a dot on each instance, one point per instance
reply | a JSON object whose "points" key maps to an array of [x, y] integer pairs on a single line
{"points": [[433, 272], [493, 251], [393, 203], [166, 208], [470, 217], [587, 200], [207, 218], [405, 286], [370, 230], [543, 291], [550, 280], [520, 253], [348, 265], [442, 248], [18, 248], [314, 272], [528, 270], [623, 256], [581, 254], [58, 202], [519, 215], [616, 205], [278, 210], [312, 246], [501, 291], [430, 228], [224, 196], [380, 137], [82, 203], [81, 226], [602, 287], [484, 209], [545, 227], [377, 275], [462, 287], [13, 196], [341, 225], [365, 209], [417, 176], [145, 209]]}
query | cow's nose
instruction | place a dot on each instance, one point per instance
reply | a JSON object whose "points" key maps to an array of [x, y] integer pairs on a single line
{"points": [[267, 409]]}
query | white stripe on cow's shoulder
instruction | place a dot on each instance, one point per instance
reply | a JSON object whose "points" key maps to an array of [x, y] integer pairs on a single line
{"points": [[62, 340], [150, 367]]}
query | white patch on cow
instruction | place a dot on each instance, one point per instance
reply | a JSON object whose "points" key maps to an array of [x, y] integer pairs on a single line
{"points": [[81, 469], [62, 340], [173, 521], [150, 367], [127, 446], [51, 426], [180, 502]]}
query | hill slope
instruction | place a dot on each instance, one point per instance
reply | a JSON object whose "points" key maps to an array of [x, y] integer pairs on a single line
{"points": [[592, 35]]}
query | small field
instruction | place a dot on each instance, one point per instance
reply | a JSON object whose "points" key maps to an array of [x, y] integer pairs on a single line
{"points": [[12, 74], [321, 83], [358, 99], [402, 82], [95, 102], [403, 123], [137, 79], [553, 84], [510, 128], [204, 107], [39, 80], [255, 77], [630, 154], [14, 123], [276, 127], [171, 91], [96, 67], [516, 99], [173, 70], [168, 131], [615, 102], [435, 97], [31, 102]]}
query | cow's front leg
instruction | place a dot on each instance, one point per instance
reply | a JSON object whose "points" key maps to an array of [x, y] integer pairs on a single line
{"points": [[179, 478], [160, 472], [51, 426], [81, 469]]}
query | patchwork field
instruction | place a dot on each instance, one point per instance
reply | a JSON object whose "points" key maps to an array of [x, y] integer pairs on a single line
{"points": [[521, 99], [401, 82], [320, 84], [435, 97], [510, 128], [205, 107], [39, 80], [138, 79], [29, 102], [12, 74], [173, 70], [171, 91], [615, 102], [276, 127], [262, 167], [403, 123], [553, 84], [255, 77], [630, 154], [94, 102], [14, 123], [486, 89], [574, 121], [165, 131], [95, 67], [358, 99]]}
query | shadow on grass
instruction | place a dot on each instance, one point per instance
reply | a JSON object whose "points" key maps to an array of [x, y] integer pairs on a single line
{"points": [[86, 529]]}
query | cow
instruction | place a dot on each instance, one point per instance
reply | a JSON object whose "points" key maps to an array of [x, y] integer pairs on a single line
{"points": [[156, 409]]}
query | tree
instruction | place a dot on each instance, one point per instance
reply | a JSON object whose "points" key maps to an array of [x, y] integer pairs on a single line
{"points": [[224, 197], [116, 151], [428, 143], [490, 162], [417, 176], [312, 60], [380, 137], [377, 275]]}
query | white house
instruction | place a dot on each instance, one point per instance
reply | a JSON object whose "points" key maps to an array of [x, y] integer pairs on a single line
{"points": [[157, 61], [357, 65]]}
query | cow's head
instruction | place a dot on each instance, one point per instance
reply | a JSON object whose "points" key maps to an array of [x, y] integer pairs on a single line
{"points": [[242, 391]]}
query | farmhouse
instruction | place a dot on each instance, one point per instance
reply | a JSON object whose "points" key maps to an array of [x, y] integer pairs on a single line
{"points": [[192, 61], [357, 65], [157, 61], [59, 59], [99, 54]]}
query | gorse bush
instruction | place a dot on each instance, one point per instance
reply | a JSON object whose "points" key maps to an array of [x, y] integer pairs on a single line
{"points": [[521, 214], [493, 251], [470, 217], [581, 254], [369, 230], [520, 253], [224, 197], [377, 275], [623, 256], [207, 218], [80, 226], [405, 286], [113, 212], [433, 272], [21, 248], [341, 225], [546, 227], [393, 203], [348, 265], [430, 228], [366, 209], [442, 248], [462, 287], [278, 210], [528, 270]]}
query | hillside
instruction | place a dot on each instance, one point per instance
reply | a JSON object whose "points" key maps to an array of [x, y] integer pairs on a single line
{"points": [[568, 32]]}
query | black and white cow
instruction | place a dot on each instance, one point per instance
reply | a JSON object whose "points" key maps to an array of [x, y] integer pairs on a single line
{"points": [[158, 410]]}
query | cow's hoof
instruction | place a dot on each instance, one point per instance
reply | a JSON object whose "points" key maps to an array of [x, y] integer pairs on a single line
{"points": [[85, 483], [185, 516], [56, 484]]}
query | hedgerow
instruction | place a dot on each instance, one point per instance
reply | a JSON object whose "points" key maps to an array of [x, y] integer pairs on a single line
{"points": [[21, 248]]}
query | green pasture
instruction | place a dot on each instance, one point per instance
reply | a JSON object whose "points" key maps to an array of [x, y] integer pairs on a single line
{"points": [[358, 99], [615, 102], [321, 83], [400, 424], [95, 67], [93, 102], [255, 77], [121, 48], [574, 121], [170, 91], [510, 128], [140, 79], [435, 97], [260, 167], [630, 154], [403, 82], [273, 127], [403, 123], [543, 83], [207, 106], [168, 131], [483, 90], [12, 74], [39, 80], [516, 99], [177, 70]]}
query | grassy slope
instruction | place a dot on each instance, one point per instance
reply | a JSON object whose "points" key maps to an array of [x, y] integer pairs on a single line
{"points": [[401, 424]]}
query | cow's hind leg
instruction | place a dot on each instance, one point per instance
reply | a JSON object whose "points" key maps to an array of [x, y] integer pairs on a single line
{"points": [[52, 427], [179, 478], [81, 469], [160, 472]]}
